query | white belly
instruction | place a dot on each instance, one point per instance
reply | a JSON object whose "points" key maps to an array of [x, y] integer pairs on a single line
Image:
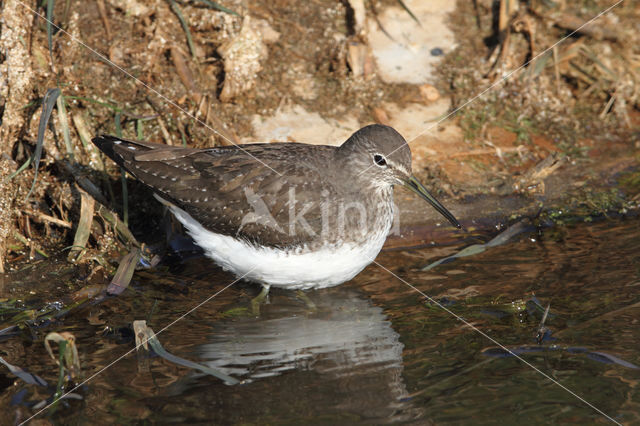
{"points": [[326, 267]]}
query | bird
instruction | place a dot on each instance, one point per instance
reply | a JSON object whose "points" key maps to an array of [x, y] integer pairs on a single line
{"points": [[289, 215]]}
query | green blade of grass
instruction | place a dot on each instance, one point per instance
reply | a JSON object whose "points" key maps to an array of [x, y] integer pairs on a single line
{"points": [[47, 107], [104, 104], [118, 123], [591, 55], [377, 18], [27, 377], [125, 197], [183, 136], [216, 6], [87, 208], [539, 65], [26, 242], [17, 172], [50, 5], [502, 238], [62, 348], [185, 25], [65, 15], [406, 8], [123, 177], [32, 103], [145, 335], [64, 123], [124, 273], [139, 133]]}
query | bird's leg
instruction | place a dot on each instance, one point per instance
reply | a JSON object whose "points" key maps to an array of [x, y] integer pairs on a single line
{"points": [[259, 300], [307, 301]]}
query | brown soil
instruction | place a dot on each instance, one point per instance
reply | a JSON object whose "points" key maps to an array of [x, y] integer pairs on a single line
{"points": [[492, 150]]}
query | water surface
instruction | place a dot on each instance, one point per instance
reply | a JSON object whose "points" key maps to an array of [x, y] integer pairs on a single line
{"points": [[372, 350]]}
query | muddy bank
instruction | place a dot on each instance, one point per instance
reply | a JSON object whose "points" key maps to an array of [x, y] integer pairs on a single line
{"points": [[560, 190], [559, 135]]}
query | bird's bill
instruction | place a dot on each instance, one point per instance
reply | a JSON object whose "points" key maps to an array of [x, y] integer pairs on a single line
{"points": [[414, 185]]}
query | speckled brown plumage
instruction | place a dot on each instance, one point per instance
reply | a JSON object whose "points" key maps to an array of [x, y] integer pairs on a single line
{"points": [[223, 188]]}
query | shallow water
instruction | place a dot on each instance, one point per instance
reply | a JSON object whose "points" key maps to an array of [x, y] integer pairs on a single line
{"points": [[372, 350]]}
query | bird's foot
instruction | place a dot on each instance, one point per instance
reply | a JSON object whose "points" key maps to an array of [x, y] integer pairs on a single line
{"points": [[261, 298]]}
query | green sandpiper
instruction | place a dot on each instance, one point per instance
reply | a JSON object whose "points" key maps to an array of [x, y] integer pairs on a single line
{"points": [[288, 215]]}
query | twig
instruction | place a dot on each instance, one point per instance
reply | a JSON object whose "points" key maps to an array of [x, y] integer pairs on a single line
{"points": [[574, 23], [185, 74], [481, 152], [46, 218], [163, 127], [29, 243], [105, 18], [83, 181], [164, 131]]}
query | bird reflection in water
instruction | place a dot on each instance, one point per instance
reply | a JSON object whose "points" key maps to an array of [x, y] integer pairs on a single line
{"points": [[346, 341]]}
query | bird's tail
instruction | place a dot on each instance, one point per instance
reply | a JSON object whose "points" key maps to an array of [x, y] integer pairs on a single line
{"points": [[122, 151]]}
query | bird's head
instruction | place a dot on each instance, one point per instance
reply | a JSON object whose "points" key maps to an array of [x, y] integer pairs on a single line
{"points": [[382, 158]]}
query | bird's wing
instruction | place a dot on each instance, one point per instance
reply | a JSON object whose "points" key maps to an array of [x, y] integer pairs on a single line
{"points": [[248, 193]]}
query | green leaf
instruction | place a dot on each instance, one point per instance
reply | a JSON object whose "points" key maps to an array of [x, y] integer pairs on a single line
{"points": [[124, 273], [27, 377], [216, 6], [145, 335], [185, 25], [50, 5], [123, 177], [64, 123], [47, 107]]}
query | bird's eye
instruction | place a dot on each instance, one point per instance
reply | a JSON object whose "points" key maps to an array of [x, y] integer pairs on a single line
{"points": [[379, 160]]}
